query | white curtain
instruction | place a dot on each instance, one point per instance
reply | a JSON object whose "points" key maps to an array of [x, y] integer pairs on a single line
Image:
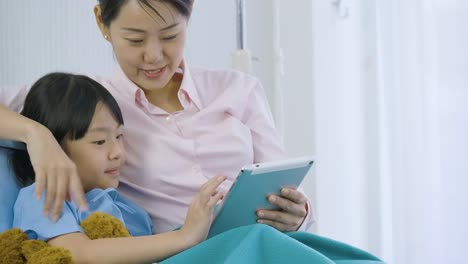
{"points": [[408, 131], [392, 123]]}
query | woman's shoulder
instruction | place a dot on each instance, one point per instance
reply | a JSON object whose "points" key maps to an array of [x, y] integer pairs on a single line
{"points": [[222, 76], [213, 84]]}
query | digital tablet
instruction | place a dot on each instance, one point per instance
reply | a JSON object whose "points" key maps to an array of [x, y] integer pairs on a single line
{"points": [[249, 192]]}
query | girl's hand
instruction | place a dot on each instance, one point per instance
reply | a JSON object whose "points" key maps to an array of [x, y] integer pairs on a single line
{"points": [[293, 210], [55, 172], [200, 213]]}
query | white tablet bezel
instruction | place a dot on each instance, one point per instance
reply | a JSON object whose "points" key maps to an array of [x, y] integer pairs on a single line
{"points": [[242, 187]]}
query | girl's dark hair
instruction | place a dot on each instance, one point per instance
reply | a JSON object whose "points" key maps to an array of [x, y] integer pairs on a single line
{"points": [[65, 104], [110, 8]]}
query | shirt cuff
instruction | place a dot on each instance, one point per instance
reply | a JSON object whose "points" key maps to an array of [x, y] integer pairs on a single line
{"points": [[309, 219]]}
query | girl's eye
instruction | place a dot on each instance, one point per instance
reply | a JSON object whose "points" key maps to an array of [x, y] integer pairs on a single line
{"points": [[99, 142], [170, 37], [120, 136]]}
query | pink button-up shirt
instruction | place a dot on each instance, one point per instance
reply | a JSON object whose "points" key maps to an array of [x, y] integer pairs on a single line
{"points": [[225, 124]]}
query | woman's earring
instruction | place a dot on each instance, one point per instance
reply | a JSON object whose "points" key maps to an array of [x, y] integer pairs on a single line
{"points": [[106, 37]]}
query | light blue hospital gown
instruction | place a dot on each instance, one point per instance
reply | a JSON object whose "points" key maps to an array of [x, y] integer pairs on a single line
{"points": [[28, 214]]}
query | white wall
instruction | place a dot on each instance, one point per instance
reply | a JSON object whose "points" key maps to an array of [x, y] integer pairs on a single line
{"points": [[42, 36], [212, 35]]}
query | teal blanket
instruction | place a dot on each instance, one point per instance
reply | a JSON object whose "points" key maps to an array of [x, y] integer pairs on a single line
{"points": [[263, 244]]}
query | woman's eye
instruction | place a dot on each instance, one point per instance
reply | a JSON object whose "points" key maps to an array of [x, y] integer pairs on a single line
{"points": [[120, 136], [135, 41], [99, 142], [170, 37]]}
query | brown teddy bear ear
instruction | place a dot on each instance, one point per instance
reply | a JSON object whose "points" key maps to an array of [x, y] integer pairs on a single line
{"points": [[10, 246], [30, 247], [51, 255], [103, 225]]}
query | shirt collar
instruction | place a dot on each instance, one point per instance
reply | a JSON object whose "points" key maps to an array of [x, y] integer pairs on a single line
{"points": [[187, 87], [187, 93], [124, 86]]}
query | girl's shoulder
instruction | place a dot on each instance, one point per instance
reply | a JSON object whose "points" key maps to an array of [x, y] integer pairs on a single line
{"points": [[27, 200], [110, 201], [28, 216], [26, 195]]}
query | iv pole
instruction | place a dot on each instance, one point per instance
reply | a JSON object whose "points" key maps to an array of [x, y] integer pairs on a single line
{"points": [[241, 58], [278, 71]]}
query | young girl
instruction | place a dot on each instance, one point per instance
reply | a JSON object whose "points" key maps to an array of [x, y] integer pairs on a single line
{"points": [[86, 120]]}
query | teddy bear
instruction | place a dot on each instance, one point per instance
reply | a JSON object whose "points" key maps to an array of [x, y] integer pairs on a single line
{"points": [[16, 248]]}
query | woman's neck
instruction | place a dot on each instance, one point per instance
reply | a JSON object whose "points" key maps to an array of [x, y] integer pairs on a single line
{"points": [[166, 98]]}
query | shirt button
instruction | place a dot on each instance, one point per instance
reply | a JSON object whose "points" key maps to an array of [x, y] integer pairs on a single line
{"points": [[168, 118]]}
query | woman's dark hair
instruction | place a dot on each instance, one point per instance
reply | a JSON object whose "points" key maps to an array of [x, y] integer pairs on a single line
{"points": [[110, 8], [65, 104]]}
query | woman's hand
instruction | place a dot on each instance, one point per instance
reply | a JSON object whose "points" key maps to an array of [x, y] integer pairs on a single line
{"points": [[200, 213], [293, 210], [55, 172]]}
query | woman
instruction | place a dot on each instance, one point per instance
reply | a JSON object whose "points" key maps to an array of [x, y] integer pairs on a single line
{"points": [[184, 125]]}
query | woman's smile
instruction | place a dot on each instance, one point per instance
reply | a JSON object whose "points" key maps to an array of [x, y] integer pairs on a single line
{"points": [[154, 74]]}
